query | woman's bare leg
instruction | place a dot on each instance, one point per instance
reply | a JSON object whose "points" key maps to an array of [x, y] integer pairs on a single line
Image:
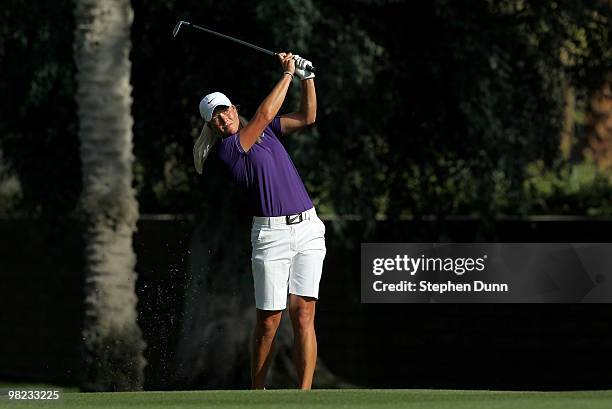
{"points": [[263, 341], [302, 312]]}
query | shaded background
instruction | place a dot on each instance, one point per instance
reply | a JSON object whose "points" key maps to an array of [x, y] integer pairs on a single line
{"points": [[437, 121]]}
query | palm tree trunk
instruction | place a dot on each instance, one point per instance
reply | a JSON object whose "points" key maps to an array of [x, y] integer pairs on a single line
{"points": [[599, 126], [112, 341]]}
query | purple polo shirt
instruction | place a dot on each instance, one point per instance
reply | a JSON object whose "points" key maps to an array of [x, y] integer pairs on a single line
{"points": [[266, 171]]}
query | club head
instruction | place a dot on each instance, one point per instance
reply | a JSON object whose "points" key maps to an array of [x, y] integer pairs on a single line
{"points": [[177, 28]]}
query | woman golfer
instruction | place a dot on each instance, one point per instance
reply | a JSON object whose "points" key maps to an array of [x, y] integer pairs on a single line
{"points": [[287, 236]]}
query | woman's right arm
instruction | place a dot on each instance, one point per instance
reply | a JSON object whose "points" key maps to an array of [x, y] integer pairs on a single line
{"points": [[270, 105]]}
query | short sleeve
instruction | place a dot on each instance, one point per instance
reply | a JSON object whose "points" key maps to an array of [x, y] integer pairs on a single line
{"points": [[275, 126]]}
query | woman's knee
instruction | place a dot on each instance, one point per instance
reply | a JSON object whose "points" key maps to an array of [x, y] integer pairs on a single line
{"points": [[267, 322], [302, 315]]}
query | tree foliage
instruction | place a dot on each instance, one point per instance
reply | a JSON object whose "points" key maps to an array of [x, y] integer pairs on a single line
{"points": [[38, 122]]}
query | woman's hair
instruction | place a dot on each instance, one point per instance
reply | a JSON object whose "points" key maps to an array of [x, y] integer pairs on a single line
{"points": [[205, 142]]}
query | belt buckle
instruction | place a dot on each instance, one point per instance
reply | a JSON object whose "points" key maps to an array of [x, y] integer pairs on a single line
{"points": [[294, 218]]}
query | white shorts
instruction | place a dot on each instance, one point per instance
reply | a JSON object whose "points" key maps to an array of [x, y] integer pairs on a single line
{"points": [[287, 259]]}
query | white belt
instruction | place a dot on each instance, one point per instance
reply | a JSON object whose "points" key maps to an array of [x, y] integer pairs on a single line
{"points": [[290, 219]]}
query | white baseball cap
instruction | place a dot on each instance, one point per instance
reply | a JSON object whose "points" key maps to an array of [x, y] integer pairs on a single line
{"points": [[210, 102]]}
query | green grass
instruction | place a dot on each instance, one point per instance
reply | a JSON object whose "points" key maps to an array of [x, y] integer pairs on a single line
{"points": [[346, 398]]}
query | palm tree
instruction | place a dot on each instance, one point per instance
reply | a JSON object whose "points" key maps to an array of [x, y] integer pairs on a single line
{"points": [[599, 132], [112, 341]]}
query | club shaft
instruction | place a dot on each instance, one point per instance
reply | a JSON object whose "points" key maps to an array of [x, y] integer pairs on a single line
{"points": [[263, 50], [253, 46]]}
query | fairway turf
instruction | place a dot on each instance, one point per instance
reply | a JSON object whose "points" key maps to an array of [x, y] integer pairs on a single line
{"points": [[341, 398]]}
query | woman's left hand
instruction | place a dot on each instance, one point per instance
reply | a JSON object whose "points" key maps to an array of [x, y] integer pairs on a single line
{"points": [[287, 62]]}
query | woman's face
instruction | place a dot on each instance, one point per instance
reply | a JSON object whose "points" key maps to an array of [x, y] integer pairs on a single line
{"points": [[225, 120]]}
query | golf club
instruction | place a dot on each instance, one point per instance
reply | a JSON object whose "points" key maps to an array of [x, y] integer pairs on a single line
{"points": [[263, 50]]}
